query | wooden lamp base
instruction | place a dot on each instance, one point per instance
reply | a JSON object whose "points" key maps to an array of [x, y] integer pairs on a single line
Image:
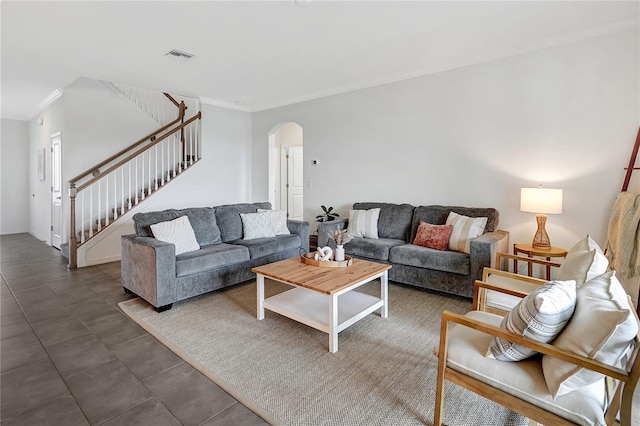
{"points": [[541, 239]]}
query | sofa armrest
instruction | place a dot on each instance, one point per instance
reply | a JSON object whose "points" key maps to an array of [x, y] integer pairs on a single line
{"points": [[301, 228], [324, 228], [483, 251], [148, 269]]}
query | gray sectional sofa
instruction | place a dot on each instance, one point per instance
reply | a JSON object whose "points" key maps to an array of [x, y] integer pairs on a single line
{"points": [[152, 271], [447, 271]]}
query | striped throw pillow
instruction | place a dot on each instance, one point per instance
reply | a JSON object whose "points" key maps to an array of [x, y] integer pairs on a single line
{"points": [[540, 316], [464, 230], [364, 223]]}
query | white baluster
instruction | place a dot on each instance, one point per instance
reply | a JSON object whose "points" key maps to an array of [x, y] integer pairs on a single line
{"points": [[161, 147], [175, 164], [106, 201], [122, 190], [136, 180], [164, 167], [82, 218], [99, 204], [156, 172], [115, 195], [129, 195], [90, 211]]}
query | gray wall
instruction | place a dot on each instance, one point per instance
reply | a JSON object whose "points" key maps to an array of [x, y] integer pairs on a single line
{"points": [[14, 177], [565, 117]]}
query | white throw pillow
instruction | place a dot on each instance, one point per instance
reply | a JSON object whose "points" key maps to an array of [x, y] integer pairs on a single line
{"points": [[541, 316], [584, 261], [256, 225], [602, 327], [278, 221], [364, 223], [464, 230], [178, 232]]}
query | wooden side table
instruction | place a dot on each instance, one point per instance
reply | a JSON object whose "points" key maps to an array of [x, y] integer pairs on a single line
{"points": [[313, 243], [528, 250]]}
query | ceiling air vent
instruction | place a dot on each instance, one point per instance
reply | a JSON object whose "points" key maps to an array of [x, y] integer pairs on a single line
{"points": [[180, 54]]}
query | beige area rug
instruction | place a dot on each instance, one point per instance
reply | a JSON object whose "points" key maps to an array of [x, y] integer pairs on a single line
{"points": [[384, 372]]}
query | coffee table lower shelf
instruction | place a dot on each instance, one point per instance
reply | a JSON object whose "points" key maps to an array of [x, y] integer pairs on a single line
{"points": [[312, 308]]}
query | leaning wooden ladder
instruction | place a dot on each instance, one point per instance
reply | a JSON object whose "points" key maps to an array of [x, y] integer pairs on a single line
{"points": [[632, 162], [627, 178]]}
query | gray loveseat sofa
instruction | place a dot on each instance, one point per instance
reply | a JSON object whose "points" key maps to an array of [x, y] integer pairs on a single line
{"points": [[447, 271], [152, 271]]}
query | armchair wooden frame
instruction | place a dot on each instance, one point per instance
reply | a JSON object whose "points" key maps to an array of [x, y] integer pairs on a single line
{"points": [[480, 297], [625, 379], [519, 258]]}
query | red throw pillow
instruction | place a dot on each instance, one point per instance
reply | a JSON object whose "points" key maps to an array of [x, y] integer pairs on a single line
{"points": [[433, 236]]}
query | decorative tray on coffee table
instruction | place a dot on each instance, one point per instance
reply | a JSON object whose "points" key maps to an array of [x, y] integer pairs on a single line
{"points": [[309, 259]]}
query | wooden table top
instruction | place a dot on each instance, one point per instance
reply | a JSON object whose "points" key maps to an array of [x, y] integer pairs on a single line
{"points": [[551, 252], [318, 278]]}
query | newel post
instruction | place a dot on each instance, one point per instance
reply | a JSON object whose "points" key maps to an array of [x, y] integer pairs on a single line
{"points": [[73, 242], [182, 108]]}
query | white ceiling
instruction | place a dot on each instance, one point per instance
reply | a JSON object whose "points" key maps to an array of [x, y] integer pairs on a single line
{"points": [[257, 55]]}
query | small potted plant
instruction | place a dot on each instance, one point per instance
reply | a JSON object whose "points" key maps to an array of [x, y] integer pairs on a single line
{"points": [[341, 237], [327, 215]]}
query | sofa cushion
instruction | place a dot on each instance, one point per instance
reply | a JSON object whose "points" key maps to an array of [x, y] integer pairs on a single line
{"points": [[229, 222], [177, 232], [266, 246], [438, 215], [602, 327], [422, 257], [202, 219], [583, 262], [256, 225], [394, 221], [278, 221], [372, 249], [465, 229], [523, 379], [210, 257], [433, 236], [364, 223]]}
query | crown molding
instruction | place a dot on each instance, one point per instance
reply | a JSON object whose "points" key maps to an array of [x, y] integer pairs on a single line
{"points": [[57, 93], [224, 104]]}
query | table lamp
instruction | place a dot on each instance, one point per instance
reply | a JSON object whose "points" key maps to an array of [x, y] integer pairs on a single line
{"points": [[542, 201]]}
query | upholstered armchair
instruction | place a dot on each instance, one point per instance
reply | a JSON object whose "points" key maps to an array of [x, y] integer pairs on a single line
{"points": [[520, 386], [584, 372]]}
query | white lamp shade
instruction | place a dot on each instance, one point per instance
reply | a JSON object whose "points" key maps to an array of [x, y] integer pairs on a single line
{"points": [[541, 200]]}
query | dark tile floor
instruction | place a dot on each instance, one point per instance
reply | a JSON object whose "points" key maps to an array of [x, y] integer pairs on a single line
{"points": [[69, 356]]}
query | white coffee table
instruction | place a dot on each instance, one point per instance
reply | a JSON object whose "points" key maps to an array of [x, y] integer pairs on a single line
{"points": [[323, 298]]}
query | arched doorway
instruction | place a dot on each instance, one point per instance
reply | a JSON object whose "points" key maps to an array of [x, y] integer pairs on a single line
{"points": [[286, 180]]}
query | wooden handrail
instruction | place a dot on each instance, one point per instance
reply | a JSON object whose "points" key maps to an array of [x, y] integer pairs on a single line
{"points": [[149, 137], [135, 154], [173, 101]]}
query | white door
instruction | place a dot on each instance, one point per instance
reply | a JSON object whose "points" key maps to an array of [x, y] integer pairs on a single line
{"points": [[56, 190], [295, 183]]}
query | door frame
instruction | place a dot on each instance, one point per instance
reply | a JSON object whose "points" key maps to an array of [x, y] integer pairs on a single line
{"points": [[56, 191], [274, 166]]}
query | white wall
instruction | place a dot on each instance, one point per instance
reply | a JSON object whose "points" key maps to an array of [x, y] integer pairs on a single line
{"points": [[565, 117], [14, 177]]}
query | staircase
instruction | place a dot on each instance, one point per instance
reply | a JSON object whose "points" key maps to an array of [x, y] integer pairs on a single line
{"points": [[107, 191]]}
